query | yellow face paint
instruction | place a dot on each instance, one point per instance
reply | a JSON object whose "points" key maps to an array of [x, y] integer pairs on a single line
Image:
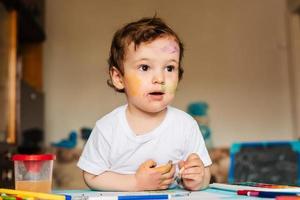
{"points": [[134, 84], [170, 88]]}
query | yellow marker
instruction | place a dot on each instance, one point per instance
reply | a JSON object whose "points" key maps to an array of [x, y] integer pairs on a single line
{"points": [[25, 197], [38, 195]]}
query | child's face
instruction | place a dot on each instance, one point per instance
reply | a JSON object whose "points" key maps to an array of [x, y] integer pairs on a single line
{"points": [[151, 74]]}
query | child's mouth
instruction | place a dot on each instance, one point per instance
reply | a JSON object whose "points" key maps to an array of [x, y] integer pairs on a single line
{"points": [[156, 96], [156, 93]]}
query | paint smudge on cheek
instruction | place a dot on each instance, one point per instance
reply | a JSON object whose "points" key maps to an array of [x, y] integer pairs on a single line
{"points": [[171, 47], [134, 84], [170, 88]]}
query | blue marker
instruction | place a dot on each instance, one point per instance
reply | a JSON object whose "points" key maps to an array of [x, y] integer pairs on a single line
{"points": [[267, 194]]}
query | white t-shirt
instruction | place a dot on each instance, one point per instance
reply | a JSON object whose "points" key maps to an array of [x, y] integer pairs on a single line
{"points": [[113, 146]]}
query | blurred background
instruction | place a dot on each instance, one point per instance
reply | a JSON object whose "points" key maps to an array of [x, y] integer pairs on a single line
{"points": [[242, 59]]}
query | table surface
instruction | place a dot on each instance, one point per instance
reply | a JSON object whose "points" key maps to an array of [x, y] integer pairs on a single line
{"points": [[211, 194]]}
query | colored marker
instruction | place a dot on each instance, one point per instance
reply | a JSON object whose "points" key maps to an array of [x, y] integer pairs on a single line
{"points": [[275, 194], [288, 198], [133, 197], [265, 194], [35, 194], [251, 193]]}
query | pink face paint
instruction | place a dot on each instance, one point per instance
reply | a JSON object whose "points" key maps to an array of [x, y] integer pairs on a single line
{"points": [[172, 47]]}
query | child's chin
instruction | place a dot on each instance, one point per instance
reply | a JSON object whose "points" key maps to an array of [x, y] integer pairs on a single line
{"points": [[156, 109]]}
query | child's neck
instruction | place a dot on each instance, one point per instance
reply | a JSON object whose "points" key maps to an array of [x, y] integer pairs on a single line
{"points": [[142, 122]]}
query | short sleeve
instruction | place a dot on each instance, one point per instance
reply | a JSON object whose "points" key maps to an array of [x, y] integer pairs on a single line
{"points": [[94, 157], [195, 144]]}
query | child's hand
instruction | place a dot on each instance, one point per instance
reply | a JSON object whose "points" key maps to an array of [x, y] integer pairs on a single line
{"points": [[147, 178], [192, 172]]}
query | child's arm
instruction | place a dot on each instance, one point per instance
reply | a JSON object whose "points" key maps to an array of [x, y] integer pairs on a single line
{"points": [[110, 181], [193, 173], [146, 178]]}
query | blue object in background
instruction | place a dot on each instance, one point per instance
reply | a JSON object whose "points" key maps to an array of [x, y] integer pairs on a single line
{"points": [[68, 143], [85, 133], [199, 111], [206, 132]]}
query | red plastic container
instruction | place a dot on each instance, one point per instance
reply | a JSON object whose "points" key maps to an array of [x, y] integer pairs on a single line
{"points": [[33, 172]]}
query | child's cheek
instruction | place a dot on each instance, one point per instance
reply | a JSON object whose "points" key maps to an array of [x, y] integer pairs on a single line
{"points": [[170, 87], [134, 84]]}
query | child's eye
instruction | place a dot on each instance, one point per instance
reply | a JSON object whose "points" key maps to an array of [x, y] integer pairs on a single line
{"points": [[144, 67], [170, 68]]}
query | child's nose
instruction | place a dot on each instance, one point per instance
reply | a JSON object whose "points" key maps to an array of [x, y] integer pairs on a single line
{"points": [[158, 78]]}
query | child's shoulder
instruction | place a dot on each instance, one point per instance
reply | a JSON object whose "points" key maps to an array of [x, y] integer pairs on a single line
{"points": [[112, 117], [180, 115]]}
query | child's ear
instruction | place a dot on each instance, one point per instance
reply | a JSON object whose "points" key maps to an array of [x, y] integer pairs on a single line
{"points": [[117, 78]]}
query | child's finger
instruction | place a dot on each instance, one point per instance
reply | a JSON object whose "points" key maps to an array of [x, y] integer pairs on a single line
{"points": [[169, 174], [192, 156], [193, 170], [167, 181], [163, 187], [149, 164], [191, 176], [194, 163], [181, 164]]}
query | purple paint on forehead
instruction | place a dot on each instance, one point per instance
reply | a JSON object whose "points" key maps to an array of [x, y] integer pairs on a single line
{"points": [[172, 47]]}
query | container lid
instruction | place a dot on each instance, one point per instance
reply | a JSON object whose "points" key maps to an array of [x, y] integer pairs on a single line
{"points": [[33, 157]]}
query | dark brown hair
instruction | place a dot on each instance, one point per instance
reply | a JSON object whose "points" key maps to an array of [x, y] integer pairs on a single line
{"points": [[143, 30]]}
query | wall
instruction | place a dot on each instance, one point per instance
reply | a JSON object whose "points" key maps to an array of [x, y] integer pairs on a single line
{"points": [[235, 59], [294, 69]]}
